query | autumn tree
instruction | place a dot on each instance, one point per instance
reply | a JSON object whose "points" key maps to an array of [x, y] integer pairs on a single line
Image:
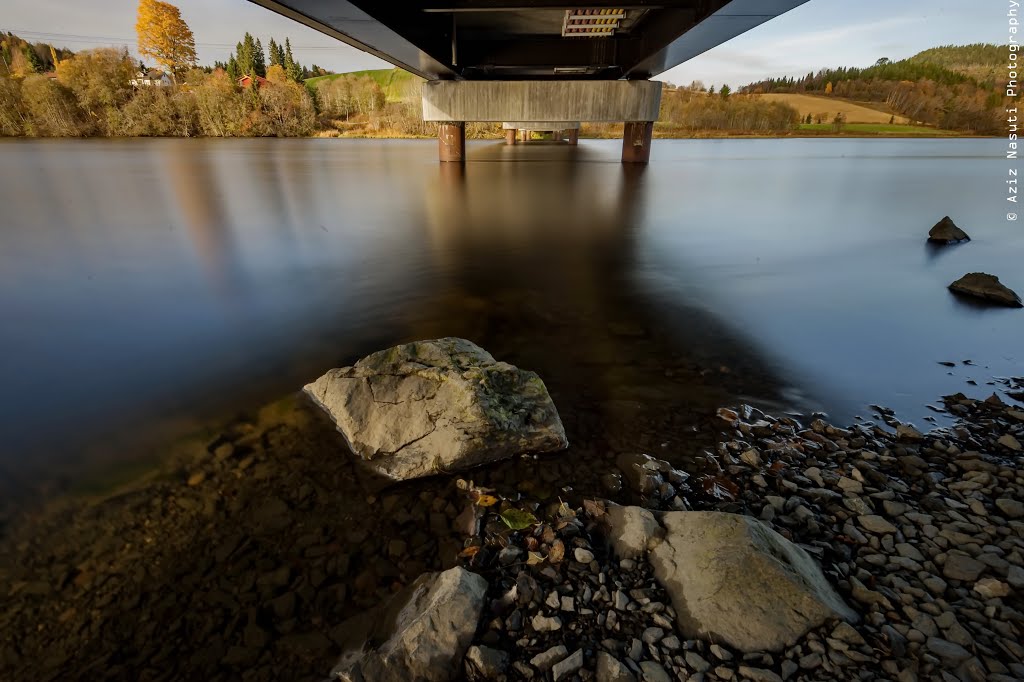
{"points": [[164, 36], [100, 80], [828, 88]]}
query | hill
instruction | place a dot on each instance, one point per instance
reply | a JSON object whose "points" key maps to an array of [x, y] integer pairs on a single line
{"points": [[398, 85], [982, 62], [951, 87], [826, 108]]}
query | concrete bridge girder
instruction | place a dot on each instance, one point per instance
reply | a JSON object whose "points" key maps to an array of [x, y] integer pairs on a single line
{"points": [[545, 105]]}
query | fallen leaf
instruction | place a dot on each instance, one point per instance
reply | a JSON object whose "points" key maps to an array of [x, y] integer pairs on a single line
{"points": [[470, 551], [486, 501], [720, 487], [557, 552], [534, 558], [595, 508], [517, 519]]}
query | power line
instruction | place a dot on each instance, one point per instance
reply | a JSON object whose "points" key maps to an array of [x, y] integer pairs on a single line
{"points": [[105, 40]]}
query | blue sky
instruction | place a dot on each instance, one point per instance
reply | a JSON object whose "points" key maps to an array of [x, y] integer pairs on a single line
{"points": [[818, 34]]}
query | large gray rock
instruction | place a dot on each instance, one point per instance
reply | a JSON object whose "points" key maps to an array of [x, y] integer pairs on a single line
{"points": [[946, 231], [438, 406], [733, 579], [421, 633], [987, 287]]}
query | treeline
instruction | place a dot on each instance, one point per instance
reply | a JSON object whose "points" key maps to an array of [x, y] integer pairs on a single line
{"points": [[694, 109], [249, 59], [19, 58], [91, 94]]}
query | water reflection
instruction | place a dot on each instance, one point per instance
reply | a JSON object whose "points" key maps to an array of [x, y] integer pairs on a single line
{"points": [[154, 286]]}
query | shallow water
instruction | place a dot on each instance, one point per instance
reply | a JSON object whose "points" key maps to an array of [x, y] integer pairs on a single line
{"points": [[149, 287]]}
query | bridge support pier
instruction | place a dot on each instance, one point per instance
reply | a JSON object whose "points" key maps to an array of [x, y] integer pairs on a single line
{"points": [[451, 141], [573, 136], [636, 141], [543, 106], [510, 136]]}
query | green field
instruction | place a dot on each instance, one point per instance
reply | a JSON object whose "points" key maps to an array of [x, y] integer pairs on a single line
{"points": [[396, 83], [878, 129]]}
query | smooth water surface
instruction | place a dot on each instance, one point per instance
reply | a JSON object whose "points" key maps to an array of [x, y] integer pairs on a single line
{"points": [[149, 286]]}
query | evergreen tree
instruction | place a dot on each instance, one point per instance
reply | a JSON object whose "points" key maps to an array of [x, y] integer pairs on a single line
{"points": [[725, 91], [33, 59], [272, 50], [260, 60], [246, 51], [280, 54], [234, 73], [293, 70]]}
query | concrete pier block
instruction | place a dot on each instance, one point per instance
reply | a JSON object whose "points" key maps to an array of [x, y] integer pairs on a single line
{"points": [[451, 141], [636, 141]]}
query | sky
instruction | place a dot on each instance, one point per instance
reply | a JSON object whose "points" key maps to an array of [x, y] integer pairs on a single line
{"points": [[821, 33]]}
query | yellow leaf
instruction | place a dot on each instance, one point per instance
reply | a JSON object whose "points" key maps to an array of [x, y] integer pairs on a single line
{"points": [[486, 501], [470, 551], [534, 558]]}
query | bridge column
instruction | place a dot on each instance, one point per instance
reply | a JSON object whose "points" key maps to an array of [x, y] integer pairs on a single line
{"points": [[510, 136], [573, 137], [451, 141], [636, 141]]}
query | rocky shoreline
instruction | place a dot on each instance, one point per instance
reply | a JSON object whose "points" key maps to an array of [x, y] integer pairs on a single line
{"points": [[244, 560]]}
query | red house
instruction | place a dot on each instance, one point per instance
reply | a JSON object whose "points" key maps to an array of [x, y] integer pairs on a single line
{"points": [[246, 81]]}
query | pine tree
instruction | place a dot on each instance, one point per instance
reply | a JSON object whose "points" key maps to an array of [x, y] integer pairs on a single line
{"points": [[272, 50], [246, 51], [234, 73], [293, 70], [280, 54], [34, 61], [260, 60]]}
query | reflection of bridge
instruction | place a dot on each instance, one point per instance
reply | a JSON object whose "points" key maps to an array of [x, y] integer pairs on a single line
{"points": [[536, 60]]}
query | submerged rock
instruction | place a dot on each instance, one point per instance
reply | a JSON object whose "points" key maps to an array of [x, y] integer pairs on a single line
{"points": [[735, 580], [438, 406], [988, 287], [946, 231], [421, 633]]}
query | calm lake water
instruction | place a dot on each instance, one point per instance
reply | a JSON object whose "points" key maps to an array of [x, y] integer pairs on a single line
{"points": [[149, 287]]}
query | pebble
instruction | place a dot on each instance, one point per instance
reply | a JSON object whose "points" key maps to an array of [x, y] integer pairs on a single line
{"points": [[962, 567], [544, 661], [568, 665], [654, 672], [583, 556], [542, 623], [875, 524]]}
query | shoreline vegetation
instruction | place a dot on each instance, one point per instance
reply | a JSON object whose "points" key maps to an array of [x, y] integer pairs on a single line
{"points": [[953, 91]]}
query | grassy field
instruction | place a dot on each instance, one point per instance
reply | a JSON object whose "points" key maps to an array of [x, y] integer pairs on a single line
{"points": [[396, 83], [830, 106], [880, 129]]}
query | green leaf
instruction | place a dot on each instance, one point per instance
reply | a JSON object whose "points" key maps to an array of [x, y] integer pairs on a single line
{"points": [[517, 519]]}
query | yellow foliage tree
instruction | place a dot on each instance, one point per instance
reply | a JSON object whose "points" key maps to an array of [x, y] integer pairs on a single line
{"points": [[828, 88], [164, 36]]}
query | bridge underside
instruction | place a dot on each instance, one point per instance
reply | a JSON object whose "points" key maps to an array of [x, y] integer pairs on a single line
{"points": [[533, 39], [489, 46]]}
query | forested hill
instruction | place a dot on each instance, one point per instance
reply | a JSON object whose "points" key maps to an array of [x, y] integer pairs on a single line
{"points": [[982, 62], [951, 87], [19, 57]]}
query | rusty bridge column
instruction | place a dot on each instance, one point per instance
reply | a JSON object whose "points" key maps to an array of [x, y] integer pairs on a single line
{"points": [[451, 141], [510, 136], [636, 141], [573, 136]]}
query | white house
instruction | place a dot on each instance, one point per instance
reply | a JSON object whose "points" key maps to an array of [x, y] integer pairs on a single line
{"points": [[151, 78]]}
